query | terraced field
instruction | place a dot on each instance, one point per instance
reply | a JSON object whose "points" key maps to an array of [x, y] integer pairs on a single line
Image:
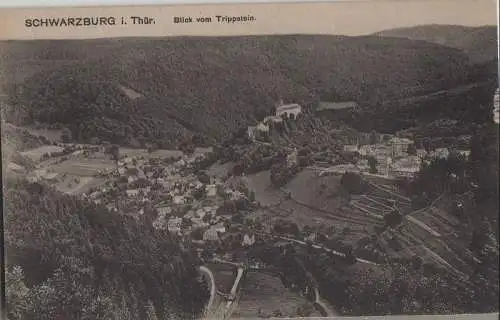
{"points": [[264, 295]]}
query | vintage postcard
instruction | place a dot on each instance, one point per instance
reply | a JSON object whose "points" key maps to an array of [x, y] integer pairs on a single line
{"points": [[227, 161]]}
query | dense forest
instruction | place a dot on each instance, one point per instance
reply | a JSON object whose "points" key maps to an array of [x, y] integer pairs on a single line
{"points": [[70, 259], [129, 91]]}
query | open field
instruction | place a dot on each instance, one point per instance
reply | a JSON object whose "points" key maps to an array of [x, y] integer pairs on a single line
{"points": [[220, 170], [132, 152], [265, 193], [77, 185], [315, 202], [265, 292], [51, 134], [36, 154], [83, 167]]}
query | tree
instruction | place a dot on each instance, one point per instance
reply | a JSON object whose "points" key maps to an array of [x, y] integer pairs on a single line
{"points": [[353, 183], [113, 151], [417, 262], [17, 294], [66, 135], [372, 162], [204, 178], [200, 193], [412, 149], [393, 219]]}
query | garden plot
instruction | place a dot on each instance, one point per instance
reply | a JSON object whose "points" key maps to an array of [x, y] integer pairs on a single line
{"points": [[265, 295], [78, 185], [84, 167], [160, 153]]}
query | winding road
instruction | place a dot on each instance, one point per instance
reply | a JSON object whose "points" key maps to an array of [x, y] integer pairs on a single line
{"points": [[204, 270]]}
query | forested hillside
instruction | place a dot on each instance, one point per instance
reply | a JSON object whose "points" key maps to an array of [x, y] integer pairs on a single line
{"points": [[478, 42], [70, 259], [164, 90]]}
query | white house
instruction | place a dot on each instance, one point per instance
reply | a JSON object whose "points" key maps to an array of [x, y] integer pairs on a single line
{"points": [[272, 119], [211, 235], [288, 109], [211, 190], [251, 132], [179, 199], [132, 192], [174, 225], [262, 127], [248, 240]]}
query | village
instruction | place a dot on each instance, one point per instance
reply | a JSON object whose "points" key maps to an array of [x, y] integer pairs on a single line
{"points": [[177, 192], [226, 218]]}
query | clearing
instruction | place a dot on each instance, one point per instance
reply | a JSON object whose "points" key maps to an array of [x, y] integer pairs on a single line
{"points": [[160, 153], [36, 154], [86, 167]]}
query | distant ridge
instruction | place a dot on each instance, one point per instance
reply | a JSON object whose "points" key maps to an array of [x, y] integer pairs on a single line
{"points": [[480, 43]]}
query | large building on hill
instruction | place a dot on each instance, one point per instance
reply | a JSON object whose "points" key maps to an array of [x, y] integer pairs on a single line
{"points": [[288, 110], [400, 146]]}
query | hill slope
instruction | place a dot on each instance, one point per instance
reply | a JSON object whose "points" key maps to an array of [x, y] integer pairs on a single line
{"points": [[79, 261], [212, 86], [478, 42]]}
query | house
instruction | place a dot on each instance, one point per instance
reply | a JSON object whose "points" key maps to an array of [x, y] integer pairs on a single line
{"points": [[211, 235], [131, 179], [421, 153], [179, 199], [336, 106], [132, 192], [219, 228], [288, 110], [200, 213], [262, 128], [15, 167], [164, 210], [351, 148], [312, 237], [464, 153], [174, 225], [293, 158], [248, 240], [400, 146], [405, 167], [251, 131], [440, 153], [272, 119], [141, 174]]}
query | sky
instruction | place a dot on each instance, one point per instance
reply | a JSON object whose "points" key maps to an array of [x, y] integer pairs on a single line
{"points": [[365, 17], [346, 17]]}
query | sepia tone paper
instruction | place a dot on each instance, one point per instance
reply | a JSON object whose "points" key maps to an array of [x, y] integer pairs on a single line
{"points": [[271, 160]]}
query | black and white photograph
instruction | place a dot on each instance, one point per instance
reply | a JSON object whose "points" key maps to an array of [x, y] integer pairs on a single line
{"points": [[348, 173]]}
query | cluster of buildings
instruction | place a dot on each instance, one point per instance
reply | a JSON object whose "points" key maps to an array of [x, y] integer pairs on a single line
{"points": [[397, 157], [261, 130]]}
